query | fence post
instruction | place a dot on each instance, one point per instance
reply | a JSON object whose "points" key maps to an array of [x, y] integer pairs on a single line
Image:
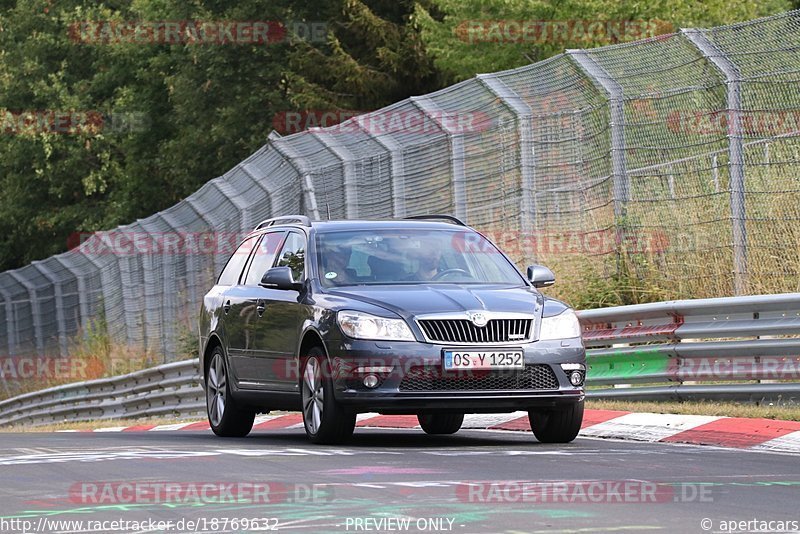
{"points": [[348, 170], [601, 78], [58, 296], [35, 311], [522, 112], [431, 109], [251, 171], [296, 161], [11, 334], [730, 71], [395, 151]]}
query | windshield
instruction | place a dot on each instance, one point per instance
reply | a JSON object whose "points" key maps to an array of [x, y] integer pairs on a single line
{"points": [[405, 256]]}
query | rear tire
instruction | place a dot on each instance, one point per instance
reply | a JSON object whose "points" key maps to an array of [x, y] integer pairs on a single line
{"points": [[226, 417], [440, 423], [324, 419], [559, 425]]}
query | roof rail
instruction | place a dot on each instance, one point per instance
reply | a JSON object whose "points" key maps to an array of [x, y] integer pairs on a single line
{"points": [[302, 219], [449, 218]]}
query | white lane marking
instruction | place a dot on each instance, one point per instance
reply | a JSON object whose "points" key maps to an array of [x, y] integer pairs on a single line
{"points": [[647, 426], [111, 429], [166, 428], [108, 455], [264, 418], [482, 420], [787, 443], [98, 456]]}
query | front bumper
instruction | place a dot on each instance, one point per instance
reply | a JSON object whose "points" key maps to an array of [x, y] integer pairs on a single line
{"points": [[406, 359]]}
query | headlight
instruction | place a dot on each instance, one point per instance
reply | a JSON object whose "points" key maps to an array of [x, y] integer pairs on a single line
{"points": [[562, 326], [365, 326]]}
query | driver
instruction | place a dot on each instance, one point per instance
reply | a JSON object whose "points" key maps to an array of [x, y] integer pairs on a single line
{"points": [[429, 260], [335, 260]]}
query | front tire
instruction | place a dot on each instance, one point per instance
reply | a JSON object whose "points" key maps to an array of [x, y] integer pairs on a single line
{"points": [[441, 423], [325, 421], [560, 425], [226, 418]]}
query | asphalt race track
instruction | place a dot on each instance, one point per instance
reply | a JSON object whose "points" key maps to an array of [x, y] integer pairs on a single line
{"points": [[386, 481]]}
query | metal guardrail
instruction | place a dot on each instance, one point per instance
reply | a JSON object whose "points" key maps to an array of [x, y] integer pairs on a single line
{"points": [[171, 389], [664, 348], [678, 343]]}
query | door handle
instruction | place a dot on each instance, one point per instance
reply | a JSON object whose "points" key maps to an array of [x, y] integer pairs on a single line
{"points": [[260, 307], [226, 307]]}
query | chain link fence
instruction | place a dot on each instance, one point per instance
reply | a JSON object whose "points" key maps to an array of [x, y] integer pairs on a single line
{"points": [[669, 163]]}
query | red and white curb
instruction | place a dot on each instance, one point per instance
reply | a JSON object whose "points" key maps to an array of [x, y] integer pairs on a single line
{"points": [[734, 432]]}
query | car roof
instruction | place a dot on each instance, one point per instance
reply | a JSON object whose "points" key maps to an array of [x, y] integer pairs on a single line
{"points": [[354, 224], [364, 224]]}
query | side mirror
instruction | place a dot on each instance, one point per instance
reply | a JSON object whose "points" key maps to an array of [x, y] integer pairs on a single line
{"points": [[541, 276], [280, 278]]}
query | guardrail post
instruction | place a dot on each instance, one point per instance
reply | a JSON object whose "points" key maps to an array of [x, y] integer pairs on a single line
{"points": [[733, 78], [523, 114], [348, 171], [395, 151], [457, 156], [297, 161]]}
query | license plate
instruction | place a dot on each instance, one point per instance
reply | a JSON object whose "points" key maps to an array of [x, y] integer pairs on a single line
{"points": [[470, 359]]}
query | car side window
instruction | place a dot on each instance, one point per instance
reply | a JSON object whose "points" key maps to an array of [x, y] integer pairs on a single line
{"points": [[293, 255], [233, 269], [263, 257]]}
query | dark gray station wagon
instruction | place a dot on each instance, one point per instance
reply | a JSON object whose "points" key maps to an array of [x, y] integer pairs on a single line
{"points": [[419, 316]]}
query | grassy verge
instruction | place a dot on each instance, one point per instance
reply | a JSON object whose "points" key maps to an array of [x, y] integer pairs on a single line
{"points": [[92, 354], [729, 409]]}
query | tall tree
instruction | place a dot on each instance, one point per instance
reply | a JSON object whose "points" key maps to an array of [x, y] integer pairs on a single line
{"points": [[467, 37], [166, 116], [372, 56]]}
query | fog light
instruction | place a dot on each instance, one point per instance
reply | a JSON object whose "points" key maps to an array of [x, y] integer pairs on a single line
{"points": [[371, 381], [576, 378]]}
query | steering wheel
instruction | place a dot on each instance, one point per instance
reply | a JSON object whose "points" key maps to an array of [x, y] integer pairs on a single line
{"points": [[447, 272]]}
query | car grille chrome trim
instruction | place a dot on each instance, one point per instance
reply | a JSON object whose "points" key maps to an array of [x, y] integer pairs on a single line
{"points": [[500, 329], [532, 377]]}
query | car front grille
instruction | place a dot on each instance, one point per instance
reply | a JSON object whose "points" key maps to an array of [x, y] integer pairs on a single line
{"points": [[420, 378], [463, 331]]}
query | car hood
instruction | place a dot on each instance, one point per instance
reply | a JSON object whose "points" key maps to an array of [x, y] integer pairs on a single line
{"points": [[413, 300]]}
